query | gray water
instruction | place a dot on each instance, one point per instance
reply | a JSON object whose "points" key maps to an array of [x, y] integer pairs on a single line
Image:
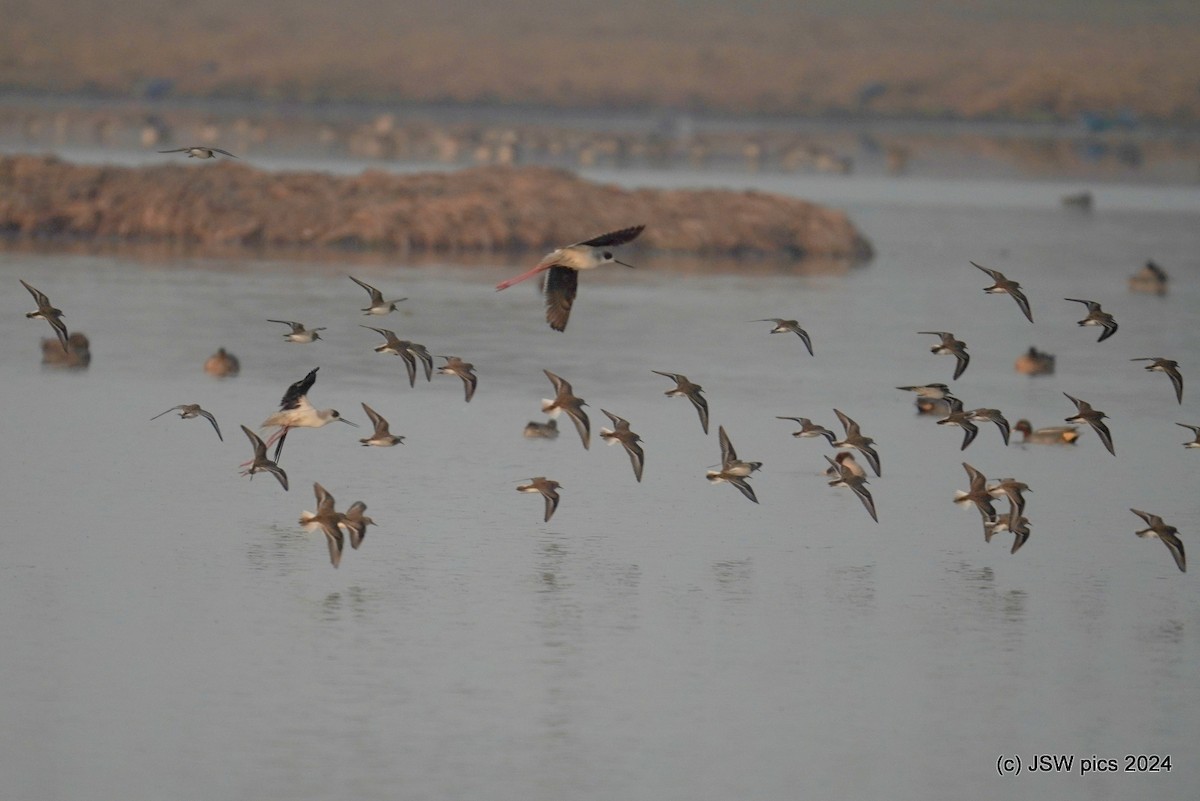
{"points": [[170, 632]]}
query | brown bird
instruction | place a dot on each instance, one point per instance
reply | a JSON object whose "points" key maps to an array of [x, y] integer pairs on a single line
{"points": [[1171, 368], [46, 311], [464, 370], [620, 432], [1003, 286], [548, 488], [686, 389], [1169, 535], [327, 519], [565, 401], [1094, 418]]}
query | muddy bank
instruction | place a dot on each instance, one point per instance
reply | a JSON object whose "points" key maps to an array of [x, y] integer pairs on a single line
{"points": [[474, 210]]}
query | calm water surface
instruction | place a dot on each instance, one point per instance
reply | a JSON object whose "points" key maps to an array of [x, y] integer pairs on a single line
{"points": [[170, 632]]}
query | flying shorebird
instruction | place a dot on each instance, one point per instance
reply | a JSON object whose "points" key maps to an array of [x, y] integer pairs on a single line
{"points": [[1169, 535], [1195, 443], [382, 438], [810, 429], [951, 347], [299, 333], [789, 326], [422, 354], [190, 410], [1097, 317], [931, 391], [993, 416], [47, 312], [465, 371], [565, 401], [620, 432], [564, 264], [329, 520], [260, 463], [1004, 286], [1013, 490], [296, 412], [855, 439], [548, 489], [378, 304], [733, 470], [355, 523], [1017, 524], [730, 463], [962, 419], [977, 494], [686, 389], [846, 477], [195, 152], [402, 348], [1171, 368], [1086, 414]]}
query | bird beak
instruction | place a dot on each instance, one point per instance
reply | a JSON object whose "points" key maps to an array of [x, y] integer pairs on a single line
{"points": [[623, 264], [347, 422]]}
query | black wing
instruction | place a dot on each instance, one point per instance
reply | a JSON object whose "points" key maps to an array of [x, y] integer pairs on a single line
{"points": [[615, 238], [291, 398], [561, 285]]}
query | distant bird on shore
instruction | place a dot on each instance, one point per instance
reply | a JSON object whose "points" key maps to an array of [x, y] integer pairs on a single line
{"points": [[1168, 535], [46, 311], [535, 430], [951, 347], [299, 332], [382, 438], [1093, 417], [549, 490], [189, 411], [1052, 435], [564, 265], [1097, 317], [1034, 362], [1151, 279], [686, 389], [1171, 368], [77, 355], [222, 364], [1004, 286], [465, 371], [378, 304], [789, 327], [195, 152]]}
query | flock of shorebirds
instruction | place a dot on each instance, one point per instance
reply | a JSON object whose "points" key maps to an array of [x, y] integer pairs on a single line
{"points": [[560, 270]]}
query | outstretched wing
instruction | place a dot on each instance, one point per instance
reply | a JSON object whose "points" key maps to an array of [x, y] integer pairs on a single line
{"points": [[561, 285], [614, 238], [296, 392]]}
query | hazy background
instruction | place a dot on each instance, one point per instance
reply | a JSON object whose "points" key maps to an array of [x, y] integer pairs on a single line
{"points": [[932, 58]]}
